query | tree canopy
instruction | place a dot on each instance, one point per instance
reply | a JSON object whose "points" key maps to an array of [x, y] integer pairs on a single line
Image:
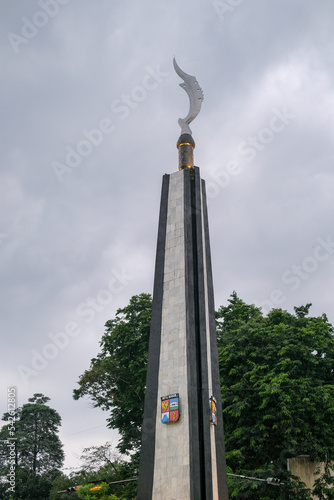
{"points": [[277, 380], [38, 449], [116, 378], [100, 466]]}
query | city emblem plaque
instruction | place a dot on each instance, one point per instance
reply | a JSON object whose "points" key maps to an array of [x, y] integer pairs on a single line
{"points": [[170, 408]]}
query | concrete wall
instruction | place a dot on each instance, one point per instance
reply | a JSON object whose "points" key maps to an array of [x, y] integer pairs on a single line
{"points": [[171, 471], [306, 470]]}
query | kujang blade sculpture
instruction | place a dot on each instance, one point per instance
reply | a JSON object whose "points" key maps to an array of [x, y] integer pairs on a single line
{"points": [[196, 97]]}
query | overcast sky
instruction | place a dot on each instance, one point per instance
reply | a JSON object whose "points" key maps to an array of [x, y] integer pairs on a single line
{"points": [[90, 103]]}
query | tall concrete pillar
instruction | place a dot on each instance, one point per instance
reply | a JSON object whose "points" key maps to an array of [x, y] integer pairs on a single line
{"points": [[182, 453]]}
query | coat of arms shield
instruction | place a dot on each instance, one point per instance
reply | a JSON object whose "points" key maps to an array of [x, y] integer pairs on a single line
{"points": [[170, 408]]}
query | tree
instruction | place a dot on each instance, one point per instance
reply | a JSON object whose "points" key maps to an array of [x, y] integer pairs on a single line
{"points": [[38, 450], [100, 464], [100, 458], [59, 488], [104, 463], [277, 377], [116, 378]]}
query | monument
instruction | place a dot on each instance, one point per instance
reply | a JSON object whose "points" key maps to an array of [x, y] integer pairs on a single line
{"points": [[182, 452]]}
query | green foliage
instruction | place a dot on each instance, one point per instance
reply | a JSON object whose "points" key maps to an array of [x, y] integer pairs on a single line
{"points": [[102, 458], [278, 392], [104, 463], [277, 376], [95, 492], [116, 378], [127, 470], [38, 447], [61, 483], [324, 484], [38, 450]]}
